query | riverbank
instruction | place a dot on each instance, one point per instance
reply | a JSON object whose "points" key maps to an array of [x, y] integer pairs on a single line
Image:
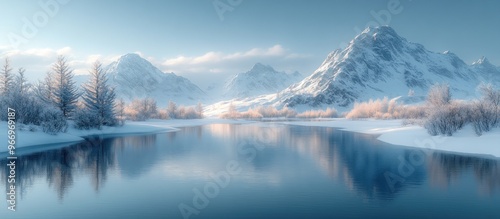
{"points": [[28, 139], [464, 141]]}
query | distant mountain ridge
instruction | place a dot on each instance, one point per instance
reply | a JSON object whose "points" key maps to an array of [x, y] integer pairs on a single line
{"points": [[261, 79]]}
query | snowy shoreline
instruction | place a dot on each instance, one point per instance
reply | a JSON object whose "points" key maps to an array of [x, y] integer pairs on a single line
{"points": [[389, 131], [464, 141], [39, 141]]}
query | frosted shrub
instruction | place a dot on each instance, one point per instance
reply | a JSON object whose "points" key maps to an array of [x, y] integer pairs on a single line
{"points": [[447, 119], [53, 121], [251, 114], [379, 108], [141, 109], [84, 119], [439, 95], [187, 113], [272, 112], [162, 114], [328, 113], [483, 117]]}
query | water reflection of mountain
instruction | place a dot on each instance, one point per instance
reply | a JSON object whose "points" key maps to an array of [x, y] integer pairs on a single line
{"points": [[444, 169], [359, 160]]}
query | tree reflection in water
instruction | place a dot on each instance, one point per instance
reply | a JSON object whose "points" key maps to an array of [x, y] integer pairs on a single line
{"points": [[95, 157]]}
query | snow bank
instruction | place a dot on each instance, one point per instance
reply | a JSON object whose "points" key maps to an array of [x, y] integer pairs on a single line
{"points": [[27, 139], [464, 141]]}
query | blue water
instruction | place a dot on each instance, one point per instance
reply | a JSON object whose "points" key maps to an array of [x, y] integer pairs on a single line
{"points": [[261, 170]]}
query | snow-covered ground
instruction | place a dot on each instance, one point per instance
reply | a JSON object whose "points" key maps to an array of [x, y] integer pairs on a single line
{"points": [[391, 131], [26, 139], [464, 141]]}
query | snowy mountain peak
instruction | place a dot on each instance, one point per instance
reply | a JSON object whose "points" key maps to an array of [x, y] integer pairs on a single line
{"points": [[133, 59], [131, 56], [482, 61], [259, 68], [136, 77], [381, 31], [380, 35], [378, 62]]}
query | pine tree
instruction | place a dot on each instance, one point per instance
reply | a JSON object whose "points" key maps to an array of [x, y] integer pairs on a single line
{"points": [[65, 93], [20, 82], [45, 89], [99, 97], [6, 78]]}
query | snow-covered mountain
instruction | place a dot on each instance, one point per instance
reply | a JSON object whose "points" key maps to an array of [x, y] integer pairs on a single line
{"points": [[379, 63], [135, 77], [261, 79], [487, 71]]}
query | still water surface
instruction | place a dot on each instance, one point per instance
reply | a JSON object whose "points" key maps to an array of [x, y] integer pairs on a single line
{"points": [[261, 170]]}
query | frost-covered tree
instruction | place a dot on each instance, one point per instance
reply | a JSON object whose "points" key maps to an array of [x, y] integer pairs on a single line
{"points": [[199, 110], [98, 97], [20, 82], [6, 77], [45, 89], [20, 98], [439, 95], [491, 97], [142, 109], [120, 111], [64, 94], [171, 110]]}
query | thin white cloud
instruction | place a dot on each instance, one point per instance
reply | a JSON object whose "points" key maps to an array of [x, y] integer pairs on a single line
{"points": [[37, 61], [215, 66], [223, 62]]}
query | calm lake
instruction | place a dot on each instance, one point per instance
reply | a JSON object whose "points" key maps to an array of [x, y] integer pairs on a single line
{"points": [[260, 170]]}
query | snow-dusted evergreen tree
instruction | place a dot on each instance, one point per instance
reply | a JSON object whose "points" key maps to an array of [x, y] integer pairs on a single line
{"points": [[6, 78], [65, 93], [99, 97], [21, 84], [45, 89]]}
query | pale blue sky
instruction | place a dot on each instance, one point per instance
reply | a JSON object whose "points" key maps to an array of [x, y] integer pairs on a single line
{"points": [[189, 38]]}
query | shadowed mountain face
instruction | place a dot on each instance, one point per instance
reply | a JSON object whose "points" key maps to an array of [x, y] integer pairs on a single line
{"points": [[379, 63]]}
